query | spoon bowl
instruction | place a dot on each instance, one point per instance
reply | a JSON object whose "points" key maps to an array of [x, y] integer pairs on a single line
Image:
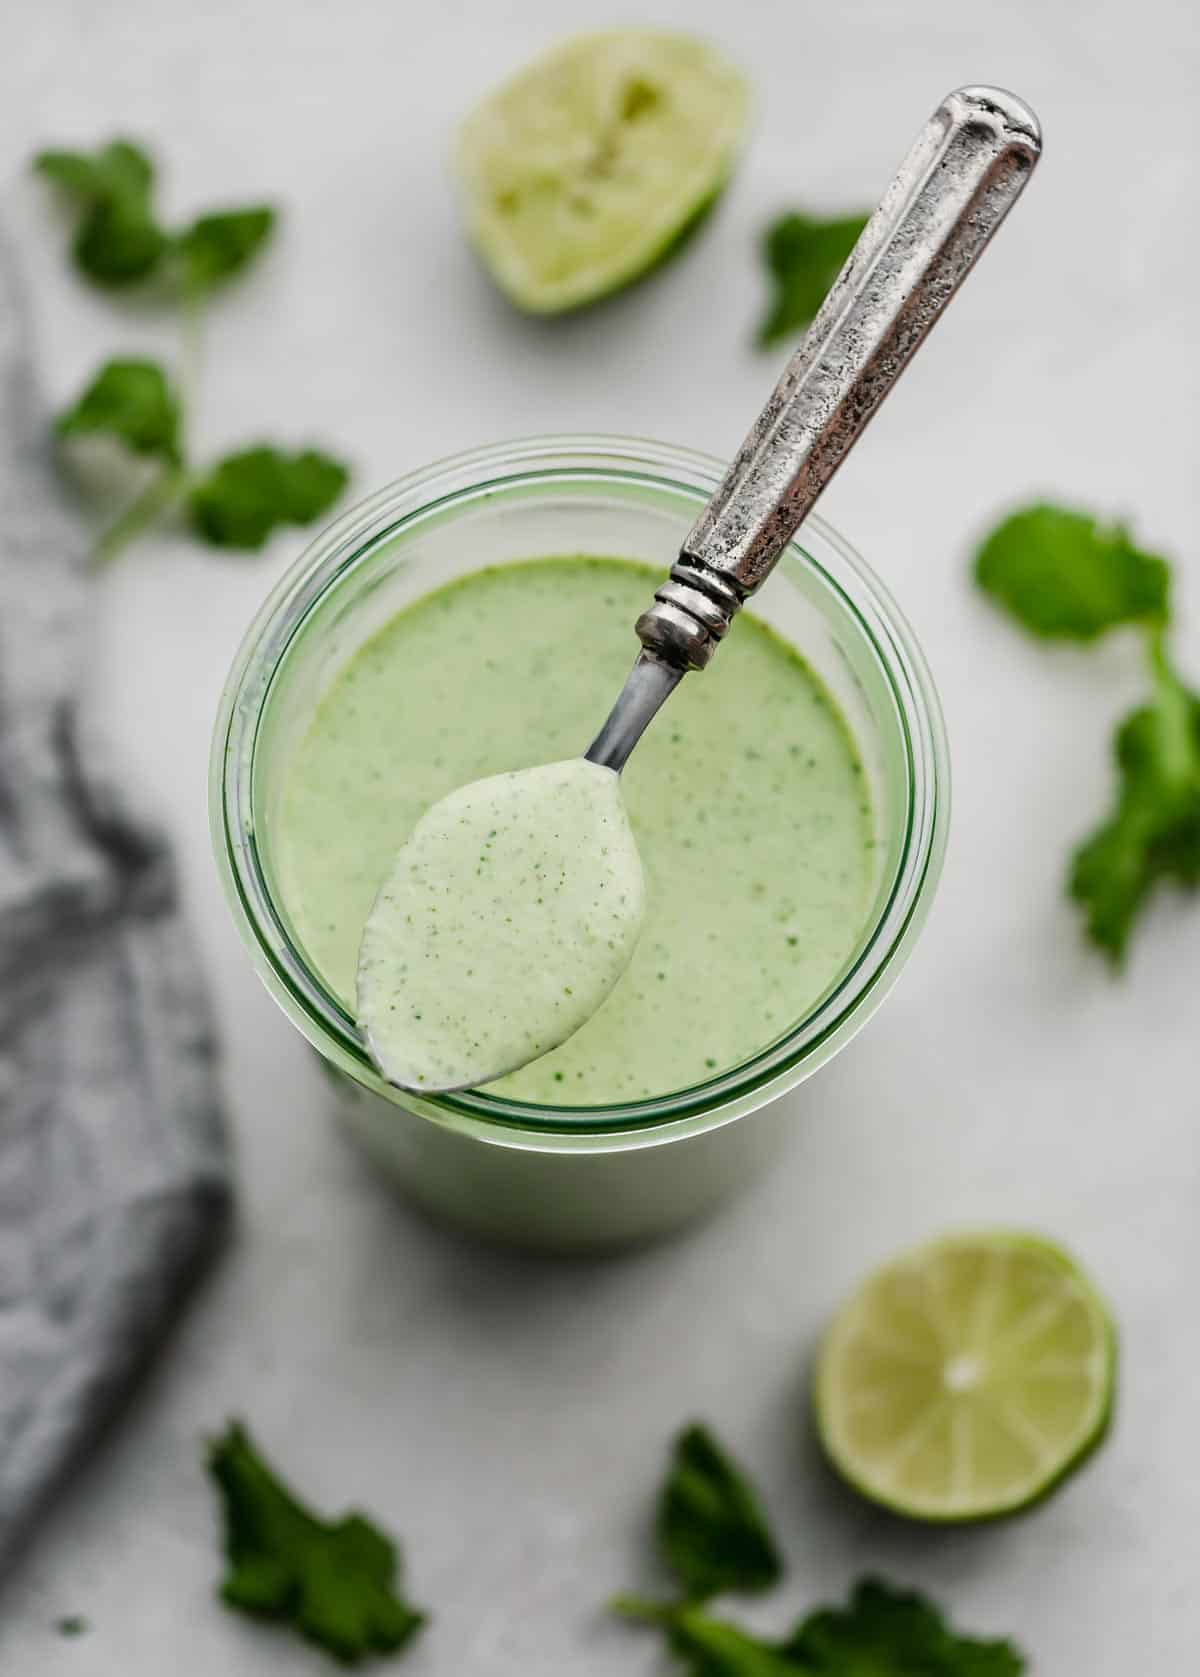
{"points": [[489, 944]]}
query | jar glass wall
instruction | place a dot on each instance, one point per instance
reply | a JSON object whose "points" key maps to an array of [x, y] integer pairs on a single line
{"points": [[572, 1175]]}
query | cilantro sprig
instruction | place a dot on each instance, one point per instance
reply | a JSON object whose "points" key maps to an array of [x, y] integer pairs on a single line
{"points": [[803, 254], [1065, 575], [712, 1533], [336, 1582], [119, 238], [137, 405], [880, 1631]]}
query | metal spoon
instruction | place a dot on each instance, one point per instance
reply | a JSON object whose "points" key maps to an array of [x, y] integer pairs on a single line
{"points": [[953, 190], [967, 169]]}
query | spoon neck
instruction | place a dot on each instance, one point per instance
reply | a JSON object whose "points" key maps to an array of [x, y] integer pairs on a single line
{"points": [[647, 686], [691, 613]]}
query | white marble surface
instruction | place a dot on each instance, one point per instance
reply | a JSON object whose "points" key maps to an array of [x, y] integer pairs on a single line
{"points": [[508, 1416]]}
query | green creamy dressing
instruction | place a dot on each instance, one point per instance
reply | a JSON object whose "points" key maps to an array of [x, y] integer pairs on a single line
{"points": [[506, 919], [746, 798]]}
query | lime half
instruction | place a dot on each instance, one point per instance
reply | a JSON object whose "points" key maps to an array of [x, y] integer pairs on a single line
{"points": [[590, 164], [966, 1378]]}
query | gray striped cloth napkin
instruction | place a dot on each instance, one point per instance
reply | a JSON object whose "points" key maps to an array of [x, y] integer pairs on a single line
{"points": [[114, 1174]]}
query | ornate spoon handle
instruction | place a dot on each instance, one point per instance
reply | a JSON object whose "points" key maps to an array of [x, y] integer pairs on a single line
{"points": [[966, 171], [961, 178]]}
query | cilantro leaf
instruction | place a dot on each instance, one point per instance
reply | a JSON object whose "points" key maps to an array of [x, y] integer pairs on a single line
{"points": [[1154, 831], [710, 1525], [893, 1633], [118, 240], [804, 255], [132, 401], [245, 496], [118, 244], [219, 245], [1064, 575], [335, 1582]]}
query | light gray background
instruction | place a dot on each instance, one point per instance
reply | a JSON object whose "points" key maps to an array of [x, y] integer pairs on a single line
{"points": [[508, 1416]]}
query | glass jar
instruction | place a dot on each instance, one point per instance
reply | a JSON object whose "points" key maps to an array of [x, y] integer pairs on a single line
{"points": [[573, 1177]]}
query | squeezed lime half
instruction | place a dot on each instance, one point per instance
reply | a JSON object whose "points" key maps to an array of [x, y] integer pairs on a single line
{"points": [[965, 1379], [589, 165]]}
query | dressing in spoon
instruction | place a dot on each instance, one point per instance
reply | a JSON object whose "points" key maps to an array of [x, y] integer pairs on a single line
{"points": [[515, 905], [508, 917]]}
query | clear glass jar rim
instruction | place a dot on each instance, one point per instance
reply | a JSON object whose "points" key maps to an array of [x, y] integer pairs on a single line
{"points": [[728, 1094]]}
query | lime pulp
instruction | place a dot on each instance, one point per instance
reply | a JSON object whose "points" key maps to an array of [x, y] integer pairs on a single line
{"points": [[967, 1378], [587, 167]]}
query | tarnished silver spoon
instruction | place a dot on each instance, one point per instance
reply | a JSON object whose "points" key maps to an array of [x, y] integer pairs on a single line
{"points": [[443, 1012], [967, 169]]}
